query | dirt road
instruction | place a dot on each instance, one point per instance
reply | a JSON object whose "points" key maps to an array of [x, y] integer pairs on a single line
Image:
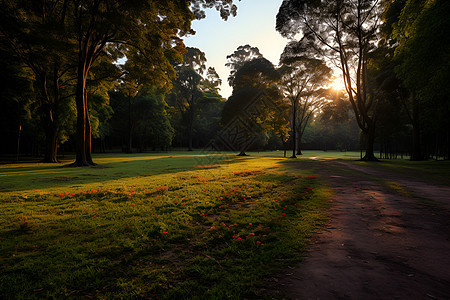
{"points": [[381, 243]]}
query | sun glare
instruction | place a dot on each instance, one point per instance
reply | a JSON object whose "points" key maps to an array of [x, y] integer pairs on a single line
{"points": [[337, 84]]}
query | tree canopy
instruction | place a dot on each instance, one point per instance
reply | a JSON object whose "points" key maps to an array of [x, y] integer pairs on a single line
{"points": [[345, 32]]}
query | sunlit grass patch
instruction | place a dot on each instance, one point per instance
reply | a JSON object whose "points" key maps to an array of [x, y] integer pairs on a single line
{"points": [[398, 188], [200, 232]]}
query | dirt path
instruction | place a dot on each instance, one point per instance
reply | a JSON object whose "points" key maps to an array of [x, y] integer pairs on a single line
{"points": [[379, 244]]}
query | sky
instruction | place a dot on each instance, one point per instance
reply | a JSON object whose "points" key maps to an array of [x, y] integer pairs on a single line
{"points": [[253, 25]]}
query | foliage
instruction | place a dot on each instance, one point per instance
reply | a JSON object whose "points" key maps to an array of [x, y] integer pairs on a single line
{"points": [[34, 34], [345, 33], [236, 60], [256, 73], [422, 32], [17, 100], [334, 128], [303, 78], [255, 108], [194, 96], [150, 123]]}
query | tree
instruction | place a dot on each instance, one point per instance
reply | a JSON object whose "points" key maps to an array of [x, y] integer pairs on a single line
{"points": [[210, 106], [16, 101], [238, 58], [150, 122], [153, 127], [258, 73], [149, 28], [302, 79], [345, 32], [130, 89], [212, 81], [34, 33], [252, 106], [423, 64], [334, 126], [187, 90]]}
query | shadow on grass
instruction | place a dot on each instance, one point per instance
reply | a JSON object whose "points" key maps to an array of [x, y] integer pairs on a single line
{"points": [[110, 167]]}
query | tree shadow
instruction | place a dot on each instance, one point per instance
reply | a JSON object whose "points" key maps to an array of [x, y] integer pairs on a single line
{"points": [[110, 168]]}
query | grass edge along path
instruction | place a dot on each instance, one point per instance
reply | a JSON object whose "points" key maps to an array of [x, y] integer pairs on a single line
{"points": [[215, 231]]}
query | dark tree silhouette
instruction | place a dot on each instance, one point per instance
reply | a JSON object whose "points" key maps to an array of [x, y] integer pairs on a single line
{"points": [[34, 32], [254, 79], [187, 88], [238, 58], [423, 35], [302, 81]]}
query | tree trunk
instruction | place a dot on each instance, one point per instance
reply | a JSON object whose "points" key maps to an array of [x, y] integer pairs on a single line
{"points": [[294, 127], [190, 135], [51, 129], [102, 145], [242, 153], [369, 139], [51, 144], [83, 140], [130, 128], [51, 139], [88, 134], [299, 143]]}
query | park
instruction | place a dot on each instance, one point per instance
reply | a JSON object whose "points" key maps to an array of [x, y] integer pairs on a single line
{"points": [[224, 149]]}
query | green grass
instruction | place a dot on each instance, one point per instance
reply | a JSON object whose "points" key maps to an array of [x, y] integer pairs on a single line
{"points": [[429, 171], [169, 226]]}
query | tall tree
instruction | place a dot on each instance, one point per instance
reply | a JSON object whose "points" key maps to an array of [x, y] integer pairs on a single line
{"points": [[345, 31], [254, 102], [111, 27], [238, 58], [187, 88], [302, 80]]}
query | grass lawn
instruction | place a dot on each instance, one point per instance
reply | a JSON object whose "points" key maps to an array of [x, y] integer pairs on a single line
{"points": [[175, 226], [436, 172]]}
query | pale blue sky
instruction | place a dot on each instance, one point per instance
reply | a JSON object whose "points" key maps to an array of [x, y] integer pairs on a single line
{"points": [[253, 25]]}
